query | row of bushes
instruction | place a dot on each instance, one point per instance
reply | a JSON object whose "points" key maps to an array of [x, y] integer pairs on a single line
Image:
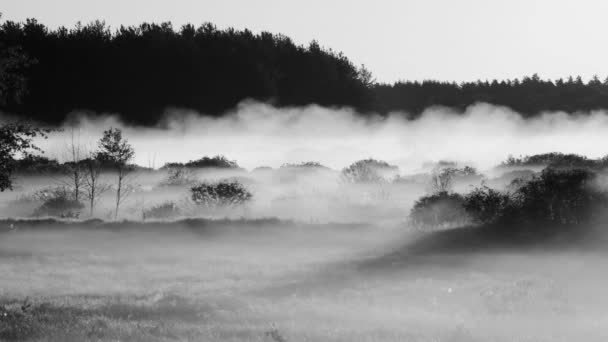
{"points": [[362, 171], [553, 198], [60, 201]]}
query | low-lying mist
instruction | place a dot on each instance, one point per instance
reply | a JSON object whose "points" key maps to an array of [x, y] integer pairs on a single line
{"points": [[256, 134], [335, 259]]}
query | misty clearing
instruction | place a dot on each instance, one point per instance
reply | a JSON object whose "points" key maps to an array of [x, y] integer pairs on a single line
{"points": [[211, 183]]}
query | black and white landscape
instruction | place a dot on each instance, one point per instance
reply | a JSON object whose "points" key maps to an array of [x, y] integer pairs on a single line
{"points": [[245, 180]]}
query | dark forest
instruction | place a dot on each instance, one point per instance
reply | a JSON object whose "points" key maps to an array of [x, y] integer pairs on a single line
{"points": [[141, 72]]}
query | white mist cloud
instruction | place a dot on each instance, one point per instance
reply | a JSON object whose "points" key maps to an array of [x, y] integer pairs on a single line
{"points": [[257, 134]]}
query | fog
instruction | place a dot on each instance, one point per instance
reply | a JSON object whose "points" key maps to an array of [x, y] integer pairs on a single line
{"points": [[257, 134], [309, 283], [340, 264]]}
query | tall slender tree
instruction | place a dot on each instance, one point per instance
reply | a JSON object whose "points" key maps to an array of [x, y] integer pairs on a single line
{"points": [[115, 150]]}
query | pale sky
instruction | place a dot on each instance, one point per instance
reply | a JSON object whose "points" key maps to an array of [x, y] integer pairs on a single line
{"points": [[427, 39]]}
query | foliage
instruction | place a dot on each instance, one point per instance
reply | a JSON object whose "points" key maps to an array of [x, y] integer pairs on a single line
{"points": [[369, 171], [487, 206], [304, 165], [141, 70], [219, 162], [114, 149], [529, 96], [13, 63], [162, 211], [211, 71], [555, 160], [556, 197], [222, 193], [444, 176], [32, 164], [442, 180], [560, 197], [179, 176], [442, 209], [59, 202], [15, 138]]}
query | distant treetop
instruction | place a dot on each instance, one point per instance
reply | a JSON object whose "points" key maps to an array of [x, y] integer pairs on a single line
{"points": [[219, 162], [555, 160], [139, 72]]}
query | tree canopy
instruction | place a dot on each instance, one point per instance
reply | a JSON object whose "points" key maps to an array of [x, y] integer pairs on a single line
{"points": [[141, 71], [15, 139]]}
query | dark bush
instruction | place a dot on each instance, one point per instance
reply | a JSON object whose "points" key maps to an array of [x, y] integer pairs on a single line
{"points": [[60, 204], [440, 210], [222, 193], [369, 171], [162, 211], [555, 198], [486, 206], [560, 197], [219, 162], [554, 160], [179, 176]]}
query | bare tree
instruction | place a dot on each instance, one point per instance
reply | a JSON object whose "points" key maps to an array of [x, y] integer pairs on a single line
{"points": [[115, 150], [92, 184], [442, 180], [74, 177]]}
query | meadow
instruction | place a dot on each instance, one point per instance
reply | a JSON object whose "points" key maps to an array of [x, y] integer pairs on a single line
{"points": [[281, 281], [311, 257]]}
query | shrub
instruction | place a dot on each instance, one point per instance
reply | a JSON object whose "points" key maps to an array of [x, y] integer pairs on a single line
{"points": [[304, 165], [59, 204], [222, 193], [439, 210], [554, 160], [162, 211], [179, 176], [369, 171], [443, 178], [219, 162], [556, 197], [562, 197], [486, 205]]}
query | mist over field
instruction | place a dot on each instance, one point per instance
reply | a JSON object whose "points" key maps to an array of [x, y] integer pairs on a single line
{"points": [[196, 183], [257, 134], [314, 255]]}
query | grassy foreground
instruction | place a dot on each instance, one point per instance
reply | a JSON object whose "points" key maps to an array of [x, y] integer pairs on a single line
{"points": [[287, 282]]}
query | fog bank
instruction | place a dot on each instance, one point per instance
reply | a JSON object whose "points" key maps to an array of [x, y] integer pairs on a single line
{"points": [[257, 134]]}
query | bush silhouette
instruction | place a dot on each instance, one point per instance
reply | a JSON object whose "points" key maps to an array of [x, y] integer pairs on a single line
{"points": [[553, 200], [439, 210], [222, 193], [219, 162], [369, 171], [487, 206], [179, 176], [59, 203], [162, 211], [560, 197]]}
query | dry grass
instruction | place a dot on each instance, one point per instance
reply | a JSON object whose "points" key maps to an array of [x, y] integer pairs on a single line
{"points": [[291, 285]]}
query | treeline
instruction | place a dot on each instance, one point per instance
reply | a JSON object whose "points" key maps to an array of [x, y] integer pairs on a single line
{"points": [[140, 71], [529, 96]]}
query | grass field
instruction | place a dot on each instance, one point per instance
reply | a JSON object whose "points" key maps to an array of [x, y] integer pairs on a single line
{"points": [[285, 282]]}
